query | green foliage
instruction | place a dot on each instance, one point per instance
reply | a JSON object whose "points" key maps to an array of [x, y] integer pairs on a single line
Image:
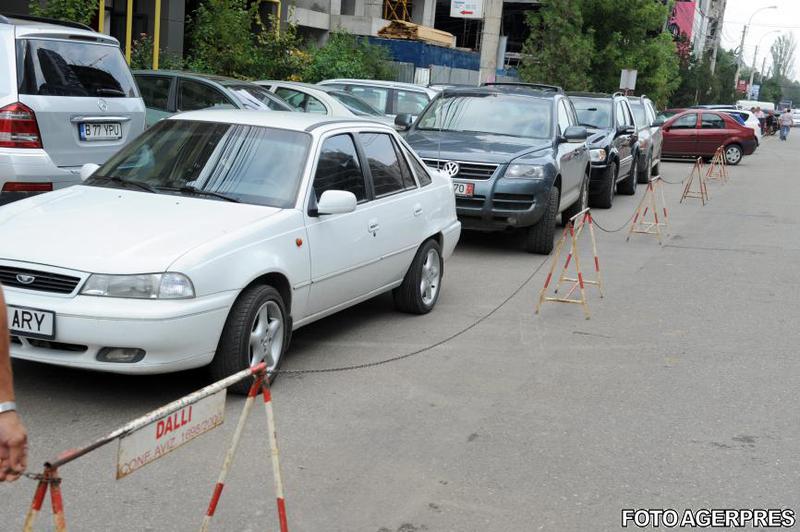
{"points": [[279, 53], [556, 27], [221, 39], [584, 44], [699, 86], [346, 56], [783, 53], [142, 56], [82, 11]]}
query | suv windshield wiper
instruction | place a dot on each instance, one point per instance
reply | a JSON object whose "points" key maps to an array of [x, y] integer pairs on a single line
{"points": [[107, 91], [197, 191], [141, 185]]}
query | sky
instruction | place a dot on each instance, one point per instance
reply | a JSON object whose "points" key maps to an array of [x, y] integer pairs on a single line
{"points": [[783, 19]]}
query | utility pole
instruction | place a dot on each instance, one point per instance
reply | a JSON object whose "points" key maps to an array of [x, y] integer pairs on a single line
{"points": [[490, 38], [763, 66], [719, 16], [753, 69], [739, 60]]}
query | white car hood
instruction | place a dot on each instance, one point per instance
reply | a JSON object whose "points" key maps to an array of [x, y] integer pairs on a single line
{"points": [[104, 230]]}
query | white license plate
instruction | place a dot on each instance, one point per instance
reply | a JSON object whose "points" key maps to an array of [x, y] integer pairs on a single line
{"points": [[100, 130], [466, 190], [32, 322]]}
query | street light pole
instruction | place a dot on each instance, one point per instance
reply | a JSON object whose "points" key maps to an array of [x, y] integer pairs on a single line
{"points": [[741, 45], [755, 57]]}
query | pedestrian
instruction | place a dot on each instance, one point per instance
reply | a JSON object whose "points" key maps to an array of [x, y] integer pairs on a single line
{"points": [[786, 121], [761, 118], [13, 438]]}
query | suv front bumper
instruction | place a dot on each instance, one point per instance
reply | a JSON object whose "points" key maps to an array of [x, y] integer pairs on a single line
{"points": [[502, 203]]}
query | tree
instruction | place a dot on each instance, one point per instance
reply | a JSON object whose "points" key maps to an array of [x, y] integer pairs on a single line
{"points": [[558, 26], [347, 56], [82, 11], [783, 51], [584, 44]]}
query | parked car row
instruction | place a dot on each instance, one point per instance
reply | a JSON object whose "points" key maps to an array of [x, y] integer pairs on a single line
{"points": [[247, 210]]}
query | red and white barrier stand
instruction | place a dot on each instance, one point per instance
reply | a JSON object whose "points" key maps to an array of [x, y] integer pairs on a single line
{"points": [[718, 169], [260, 383], [652, 202], [572, 256], [153, 435], [696, 173]]}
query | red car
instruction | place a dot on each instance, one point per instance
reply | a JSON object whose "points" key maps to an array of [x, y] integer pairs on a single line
{"points": [[699, 132]]}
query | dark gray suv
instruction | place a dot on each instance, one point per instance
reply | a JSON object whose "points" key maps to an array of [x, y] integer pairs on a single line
{"points": [[515, 152]]}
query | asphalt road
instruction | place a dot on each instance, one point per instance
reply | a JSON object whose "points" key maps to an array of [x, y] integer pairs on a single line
{"points": [[680, 392]]}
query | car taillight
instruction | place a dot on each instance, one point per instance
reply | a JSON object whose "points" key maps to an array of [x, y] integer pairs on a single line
{"points": [[17, 186], [18, 128]]}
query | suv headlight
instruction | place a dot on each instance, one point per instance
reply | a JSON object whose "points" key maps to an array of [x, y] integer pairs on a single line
{"points": [[597, 155], [142, 286], [525, 171]]}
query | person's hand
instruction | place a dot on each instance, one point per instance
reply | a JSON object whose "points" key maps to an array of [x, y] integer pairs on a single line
{"points": [[13, 447]]}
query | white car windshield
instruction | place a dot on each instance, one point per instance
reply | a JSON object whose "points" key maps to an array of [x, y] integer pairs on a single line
{"points": [[233, 162], [497, 114]]}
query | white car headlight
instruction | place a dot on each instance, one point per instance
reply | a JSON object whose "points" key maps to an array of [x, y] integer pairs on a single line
{"points": [[597, 156], [142, 286], [526, 171]]}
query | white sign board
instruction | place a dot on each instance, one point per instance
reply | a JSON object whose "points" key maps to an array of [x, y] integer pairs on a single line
{"points": [[166, 434], [466, 8], [627, 80]]}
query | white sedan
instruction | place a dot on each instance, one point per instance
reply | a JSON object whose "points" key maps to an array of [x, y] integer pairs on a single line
{"points": [[213, 235]]}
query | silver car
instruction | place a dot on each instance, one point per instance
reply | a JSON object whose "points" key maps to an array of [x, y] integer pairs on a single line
{"points": [[651, 138], [67, 98], [320, 99], [392, 98]]}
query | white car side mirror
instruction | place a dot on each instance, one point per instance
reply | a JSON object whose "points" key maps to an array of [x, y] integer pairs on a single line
{"points": [[87, 170], [336, 202]]}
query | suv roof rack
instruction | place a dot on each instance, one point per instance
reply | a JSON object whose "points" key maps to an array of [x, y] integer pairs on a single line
{"points": [[5, 19], [588, 94], [538, 86]]}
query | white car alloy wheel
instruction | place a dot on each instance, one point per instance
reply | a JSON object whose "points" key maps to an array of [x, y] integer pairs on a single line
{"points": [[733, 154], [266, 335], [431, 276]]}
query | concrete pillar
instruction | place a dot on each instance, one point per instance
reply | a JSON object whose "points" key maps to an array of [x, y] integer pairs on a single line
{"points": [[423, 12], [173, 15], [490, 37]]}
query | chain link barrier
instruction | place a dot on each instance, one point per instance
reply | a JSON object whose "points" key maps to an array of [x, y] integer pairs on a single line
{"points": [[418, 351]]}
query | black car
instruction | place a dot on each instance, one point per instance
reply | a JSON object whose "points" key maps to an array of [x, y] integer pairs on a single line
{"points": [[515, 152], [612, 144]]}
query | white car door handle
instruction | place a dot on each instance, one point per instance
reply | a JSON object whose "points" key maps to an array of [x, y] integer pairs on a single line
{"points": [[373, 226], [417, 209]]}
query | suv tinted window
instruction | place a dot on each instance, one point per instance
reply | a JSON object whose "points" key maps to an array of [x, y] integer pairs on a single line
{"points": [[193, 95], [59, 68], [593, 113], [387, 173], [155, 91], [712, 121], [685, 122], [338, 168], [640, 114]]}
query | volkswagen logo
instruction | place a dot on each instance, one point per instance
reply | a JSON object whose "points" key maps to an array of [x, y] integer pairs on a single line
{"points": [[24, 278], [102, 104], [451, 168]]}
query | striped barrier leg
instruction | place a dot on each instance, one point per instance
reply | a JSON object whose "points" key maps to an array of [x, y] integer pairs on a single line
{"points": [[36, 505], [276, 467], [59, 521], [226, 464], [553, 264], [594, 251]]}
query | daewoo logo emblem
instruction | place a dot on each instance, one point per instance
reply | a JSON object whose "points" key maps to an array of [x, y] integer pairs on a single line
{"points": [[25, 278], [451, 168], [102, 104]]}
